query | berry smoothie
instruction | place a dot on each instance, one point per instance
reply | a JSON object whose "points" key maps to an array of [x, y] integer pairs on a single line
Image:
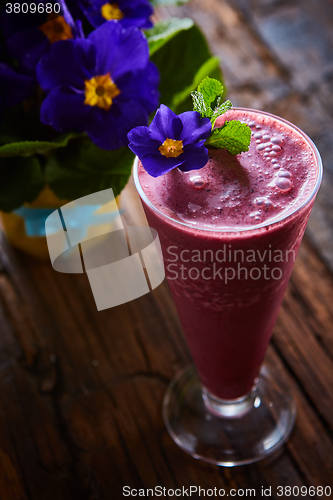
{"points": [[229, 234]]}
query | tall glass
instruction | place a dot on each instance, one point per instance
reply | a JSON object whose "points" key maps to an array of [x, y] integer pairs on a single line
{"points": [[227, 411]]}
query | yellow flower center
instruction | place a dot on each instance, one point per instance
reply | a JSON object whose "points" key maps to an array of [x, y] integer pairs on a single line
{"points": [[111, 11], [56, 29], [171, 148], [100, 91]]}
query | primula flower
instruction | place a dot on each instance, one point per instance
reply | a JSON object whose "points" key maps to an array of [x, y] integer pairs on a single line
{"points": [[171, 141], [103, 85], [14, 87], [29, 36], [126, 12]]}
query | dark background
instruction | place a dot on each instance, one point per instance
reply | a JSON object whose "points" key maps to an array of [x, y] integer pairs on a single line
{"points": [[81, 391]]}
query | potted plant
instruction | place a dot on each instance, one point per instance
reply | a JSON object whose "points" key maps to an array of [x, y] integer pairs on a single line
{"points": [[75, 77]]}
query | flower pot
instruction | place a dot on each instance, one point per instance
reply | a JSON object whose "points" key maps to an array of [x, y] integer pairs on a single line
{"points": [[16, 224], [25, 228]]}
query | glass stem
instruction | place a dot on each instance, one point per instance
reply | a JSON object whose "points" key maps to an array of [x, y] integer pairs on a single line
{"points": [[232, 408]]}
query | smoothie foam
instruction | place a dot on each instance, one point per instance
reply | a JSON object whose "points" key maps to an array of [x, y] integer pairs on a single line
{"points": [[274, 177]]}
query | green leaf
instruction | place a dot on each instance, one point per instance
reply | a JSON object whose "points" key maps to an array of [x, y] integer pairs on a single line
{"points": [[199, 105], [211, 89], [211, 65], [163, 31], [207, 99], [30, 148], [179, 61], [219, 110], [21, 181], [83, 168], [233, 136]]}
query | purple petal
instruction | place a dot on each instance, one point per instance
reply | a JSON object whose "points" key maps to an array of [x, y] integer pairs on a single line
{"points": [[195, 157], [142, 85], [166, 124], [194, 127], [157, 164], [141, 143], [136, 13], [68, 63], [28, 46], [119, 50], [109, 129], [65, 111]]}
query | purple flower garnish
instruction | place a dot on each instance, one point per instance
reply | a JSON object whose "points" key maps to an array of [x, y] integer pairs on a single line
{"points": [[126, 12], [171, 141], [104, 85]]}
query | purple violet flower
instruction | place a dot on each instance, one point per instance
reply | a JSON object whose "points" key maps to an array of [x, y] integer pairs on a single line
{"points": [[171, 141], [126, 12], [104, 85]]}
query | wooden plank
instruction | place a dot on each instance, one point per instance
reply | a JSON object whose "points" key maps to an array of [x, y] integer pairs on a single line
{"points": [[316, 295], [81, 391], [312, 456], [33, 457]]}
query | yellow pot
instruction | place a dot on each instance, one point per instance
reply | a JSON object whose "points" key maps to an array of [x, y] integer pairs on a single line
{"points": [[14, 227]]}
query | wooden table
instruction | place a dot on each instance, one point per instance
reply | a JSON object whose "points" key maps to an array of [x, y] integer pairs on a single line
{"points": [[81, 391]]}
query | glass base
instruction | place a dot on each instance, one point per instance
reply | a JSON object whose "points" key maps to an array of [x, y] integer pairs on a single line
{"points": [[228, 432]]}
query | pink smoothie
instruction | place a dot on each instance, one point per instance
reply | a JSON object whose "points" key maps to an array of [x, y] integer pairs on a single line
{"points": [[229, 234]]}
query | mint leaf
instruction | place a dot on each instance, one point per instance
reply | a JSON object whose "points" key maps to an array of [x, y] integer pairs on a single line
{"points": [[207, 100], [211, 89], [234, 136], [200, 106], [219, 110]]}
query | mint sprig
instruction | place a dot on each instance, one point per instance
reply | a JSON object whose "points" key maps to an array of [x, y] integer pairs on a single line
{"points": [[219, 110], [211, 90], [200, 105], [233, 136], [207, 99]]}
